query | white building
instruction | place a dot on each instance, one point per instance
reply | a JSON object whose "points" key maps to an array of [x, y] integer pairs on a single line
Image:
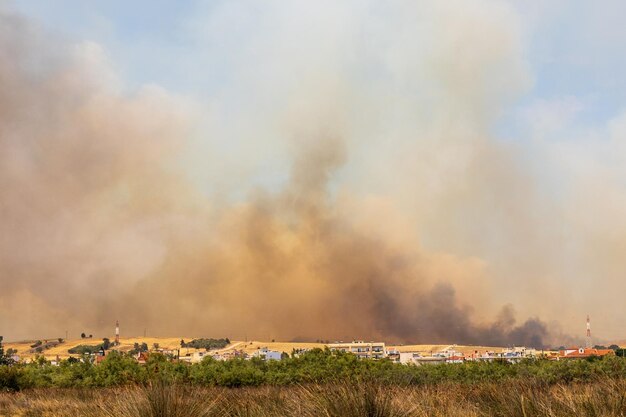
{"points": [[409, 357], [194, 357], [267, 355], [364, 350]]}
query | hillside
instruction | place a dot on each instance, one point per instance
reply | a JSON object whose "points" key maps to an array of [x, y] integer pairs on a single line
{"points": [[288, 347], [428, 349], [24, 349]]}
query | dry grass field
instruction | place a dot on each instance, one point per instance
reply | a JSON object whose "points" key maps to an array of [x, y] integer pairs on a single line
{"points": [[604, 398], [251, 346], [24, 349], [428, 349]]}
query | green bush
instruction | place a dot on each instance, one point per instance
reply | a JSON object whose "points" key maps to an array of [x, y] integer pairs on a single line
{"points": [[207, 344], [85, 349], [316, 366]]}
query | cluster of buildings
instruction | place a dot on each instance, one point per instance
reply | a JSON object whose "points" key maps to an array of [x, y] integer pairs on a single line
{"points": [[378, 350], [375, 350], [363, 350], [197, 356]]}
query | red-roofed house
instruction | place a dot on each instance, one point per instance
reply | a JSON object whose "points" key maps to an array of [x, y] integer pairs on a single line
{"points": [[581, 353], [142, 357]]}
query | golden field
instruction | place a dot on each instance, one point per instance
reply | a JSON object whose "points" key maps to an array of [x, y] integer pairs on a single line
{"points": [[605, 398], [61, 350], [428, 349], [24, 349]]}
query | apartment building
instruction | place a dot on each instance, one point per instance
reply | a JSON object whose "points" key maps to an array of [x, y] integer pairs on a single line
{"points": [[364, 350]]}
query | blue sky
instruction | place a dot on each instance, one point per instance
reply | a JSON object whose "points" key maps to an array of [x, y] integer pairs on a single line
{"points": [[575, 48], [140, 36]]}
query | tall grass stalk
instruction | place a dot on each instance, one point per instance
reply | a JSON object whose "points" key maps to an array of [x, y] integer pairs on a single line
{"points": [[602, 398]]}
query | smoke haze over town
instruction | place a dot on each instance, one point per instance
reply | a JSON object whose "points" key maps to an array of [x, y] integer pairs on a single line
{"points": [[414, 171]]}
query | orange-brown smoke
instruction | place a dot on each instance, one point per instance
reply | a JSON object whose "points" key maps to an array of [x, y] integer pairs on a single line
{"points": [[296, 265], [98, 223]]}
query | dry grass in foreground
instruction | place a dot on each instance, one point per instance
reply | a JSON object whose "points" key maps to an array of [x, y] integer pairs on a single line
{"points": [[605, 398]]}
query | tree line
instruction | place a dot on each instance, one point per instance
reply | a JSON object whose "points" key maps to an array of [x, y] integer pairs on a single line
{"points": [[207, 344], [315, 366]]}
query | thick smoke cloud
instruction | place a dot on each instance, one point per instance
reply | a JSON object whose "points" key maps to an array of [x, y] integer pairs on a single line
{"points": [[294, 264], [85, 186], [386, 135]]}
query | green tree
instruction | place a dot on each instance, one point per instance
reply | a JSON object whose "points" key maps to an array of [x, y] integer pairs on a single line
{"points": [[206, 343], [3, 358]]}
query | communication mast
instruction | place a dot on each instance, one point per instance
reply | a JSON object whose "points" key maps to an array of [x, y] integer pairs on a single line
{"points": [[588, 333], [117, 332]]}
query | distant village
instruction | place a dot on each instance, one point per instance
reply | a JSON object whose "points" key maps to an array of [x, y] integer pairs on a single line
{"points": [[369, 350], [196, 350], [362, 349]]}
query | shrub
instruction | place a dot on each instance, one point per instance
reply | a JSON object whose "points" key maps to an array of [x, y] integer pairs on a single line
{"points": [[207, 344], [85, 349]]}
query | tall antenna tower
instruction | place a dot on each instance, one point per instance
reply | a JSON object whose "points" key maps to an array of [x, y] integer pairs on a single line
{"points": [[117, 332], [588, 333]]}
